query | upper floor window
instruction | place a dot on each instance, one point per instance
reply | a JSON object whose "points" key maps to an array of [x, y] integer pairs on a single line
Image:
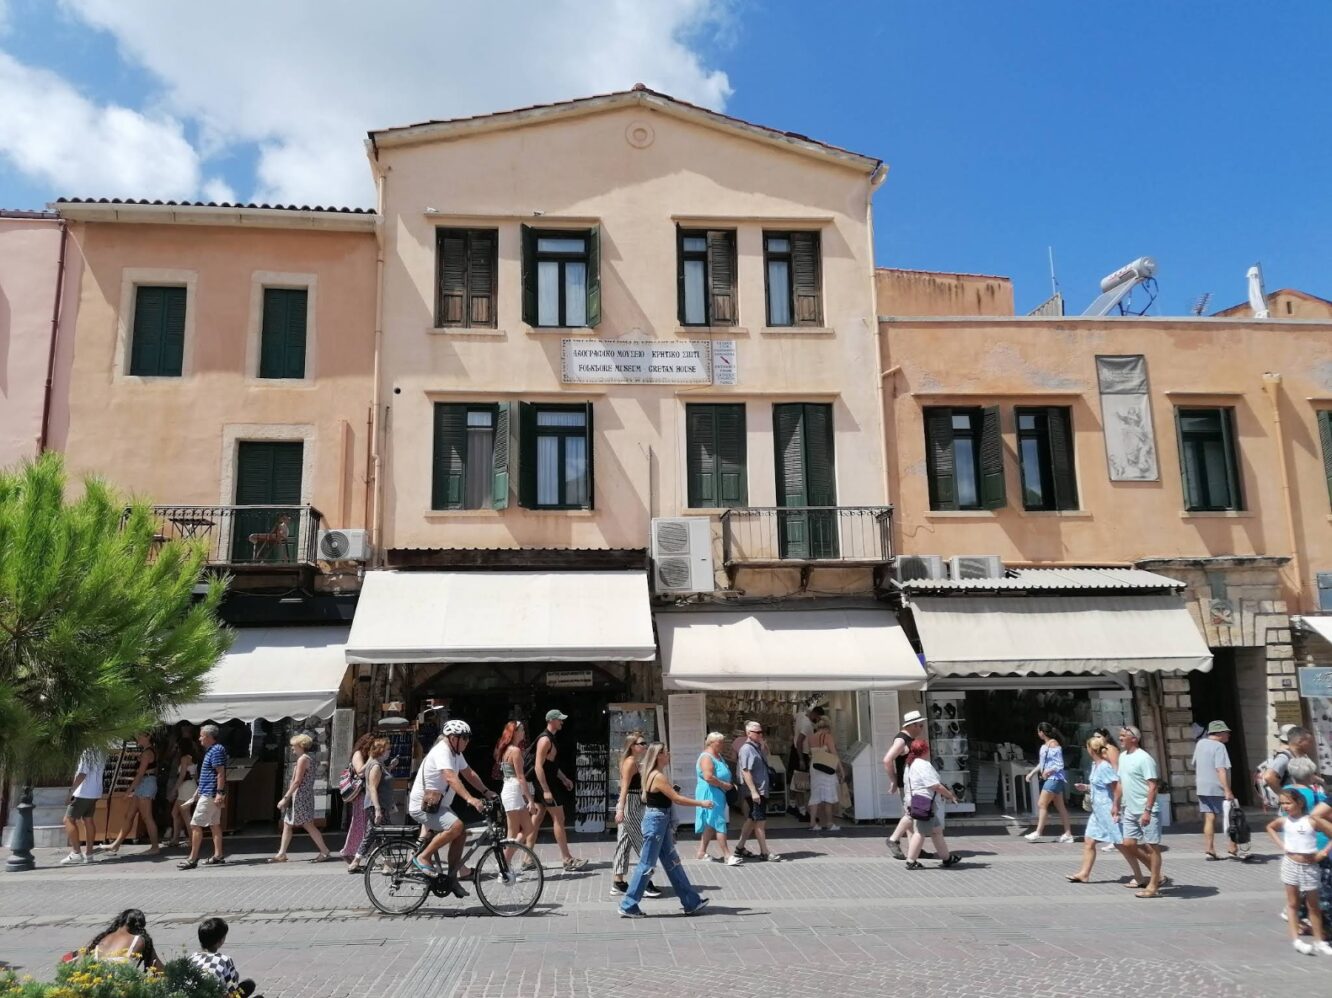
{"points": [[471, 456], [1045, 457], [705, 277], [282, 338], [715, 455], [556, 459], [1325, 438], [158, 346], [964, 458], [467, 262], [561, 277], [794, 278], [1209, 459]]}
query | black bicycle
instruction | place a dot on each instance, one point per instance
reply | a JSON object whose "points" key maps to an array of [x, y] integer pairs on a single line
{"points": [[507, 877]]}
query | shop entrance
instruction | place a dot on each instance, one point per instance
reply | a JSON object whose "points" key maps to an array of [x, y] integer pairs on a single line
{"points": [[1215, 697]]}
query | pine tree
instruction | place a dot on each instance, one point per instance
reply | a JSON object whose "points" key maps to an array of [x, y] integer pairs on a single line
{"points": [[100, 630]]}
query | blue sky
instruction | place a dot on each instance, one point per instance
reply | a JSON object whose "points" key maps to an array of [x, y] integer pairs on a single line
{"points": [[1198, 133]]}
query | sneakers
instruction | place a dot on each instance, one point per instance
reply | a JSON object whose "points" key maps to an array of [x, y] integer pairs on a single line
{"points": [[632, 913], [734, 861], [1109, 847], [895, 848], [833, 828], [772, 857], [1065, 838], [651, 890], [703, 903], [72, 858], [1032, 836], [1302, 947], [1323, 948], [743, 853], [619, 887]]}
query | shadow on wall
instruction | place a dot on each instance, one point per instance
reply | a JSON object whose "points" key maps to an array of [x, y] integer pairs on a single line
{"points": [[6, 318]]}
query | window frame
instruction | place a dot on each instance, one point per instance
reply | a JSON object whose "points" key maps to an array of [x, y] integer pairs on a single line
{"points": [[786, 257], [137, 288], [468, 233], [586, 258], [1056, 497], [735, 409], [441, 504], [1225, 436], [984, 430], [264, 289], [685, 256], [534, 432], [797, 293]]}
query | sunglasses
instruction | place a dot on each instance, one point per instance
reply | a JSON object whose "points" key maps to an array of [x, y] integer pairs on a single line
{"points": [[640, 744]]}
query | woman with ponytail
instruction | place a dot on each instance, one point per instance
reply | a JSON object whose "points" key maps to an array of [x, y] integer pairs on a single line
{"points": [[125, 940]]}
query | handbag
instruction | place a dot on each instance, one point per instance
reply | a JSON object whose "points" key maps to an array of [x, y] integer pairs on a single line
{"points": [[844, 796], [823, 760], [350, 784], [733, 796], [431, 800], [800, 781], [921, 806]]}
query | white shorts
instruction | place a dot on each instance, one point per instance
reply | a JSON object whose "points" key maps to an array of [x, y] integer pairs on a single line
{"points": [[437, 822], [1304, 877], [207, 812], [511, 795]]}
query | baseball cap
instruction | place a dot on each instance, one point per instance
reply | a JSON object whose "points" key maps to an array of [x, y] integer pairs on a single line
{"points": [[1218, 728], [1283, 733], [556, 715], [753, 726]]}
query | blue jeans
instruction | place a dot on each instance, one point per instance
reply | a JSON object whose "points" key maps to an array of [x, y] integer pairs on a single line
{"points": [[659, 843]]}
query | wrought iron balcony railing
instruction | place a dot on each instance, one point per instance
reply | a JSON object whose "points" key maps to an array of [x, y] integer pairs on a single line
{"points": [[237, 536], [807, 535]]}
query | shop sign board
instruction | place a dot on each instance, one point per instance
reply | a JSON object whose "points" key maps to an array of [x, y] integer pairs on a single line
{"points": [[569, 679], [1289, 712], [1315, 682], [646, 362]]}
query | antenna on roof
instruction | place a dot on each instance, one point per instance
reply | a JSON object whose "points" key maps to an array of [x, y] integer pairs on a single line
{"points": [[1200, 303], [1257, 294], [1054, 282], [1116, 288]]}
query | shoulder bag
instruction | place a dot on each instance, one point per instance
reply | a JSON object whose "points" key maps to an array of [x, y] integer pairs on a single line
{"points": [[823, 760], [350, 784]]}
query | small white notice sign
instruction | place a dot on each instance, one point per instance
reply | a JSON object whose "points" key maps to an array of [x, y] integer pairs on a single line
{"points": [[636, 362], [723, 363]]}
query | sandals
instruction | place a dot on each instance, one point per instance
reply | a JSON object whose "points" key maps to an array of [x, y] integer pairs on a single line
{"points": [[277, 859], [915, 865], [572, 864], [323, 857], [1211, 857], [189, 864], [1074, 880], [952, 860], [215, 861], [1134, 884], [1148, 894]]}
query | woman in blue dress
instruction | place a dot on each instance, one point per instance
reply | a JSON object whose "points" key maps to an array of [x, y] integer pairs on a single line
{"points": [[1053, 782], [1101, 824], [714, 780]]}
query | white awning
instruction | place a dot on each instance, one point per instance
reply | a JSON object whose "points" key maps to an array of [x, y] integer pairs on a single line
{"points": [[815, 649], [502, 617], [1040, 635], [272, 673], [1322, 626]]}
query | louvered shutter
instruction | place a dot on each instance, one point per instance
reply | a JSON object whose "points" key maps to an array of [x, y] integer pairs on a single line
{"points": [[591, 458], [1059, 428], [529, 274], [287, 466], [1235, 500], [298, 301], [452, 277], [939, 465], [481, 259], [789, 437], [721, 279], [282, 338], [1192, 495], [146, 348], [806, 279], [450, 466], [732, 485], [527, 458], [500, 462], [1325, 437], [701, 459], [991, 460], [173, 332], [594, 276], [821, 480]]}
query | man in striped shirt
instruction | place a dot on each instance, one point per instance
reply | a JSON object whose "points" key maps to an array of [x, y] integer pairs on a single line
{"points": [[208, 799]]}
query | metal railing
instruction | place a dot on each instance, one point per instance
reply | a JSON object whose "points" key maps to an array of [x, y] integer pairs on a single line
{"points": [[756, 535], [245, 535]]}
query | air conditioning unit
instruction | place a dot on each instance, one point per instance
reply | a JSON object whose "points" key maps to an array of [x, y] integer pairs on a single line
{"points": [[344, 545], [682, 554], [914, 567], [976, 566]]}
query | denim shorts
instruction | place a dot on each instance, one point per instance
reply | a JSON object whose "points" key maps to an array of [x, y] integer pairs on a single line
{"points": [[147, 788], [1055, 785], [1207, 804], [1135, 831]]}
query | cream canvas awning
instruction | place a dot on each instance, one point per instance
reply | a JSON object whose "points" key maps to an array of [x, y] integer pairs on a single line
{"points": [[1041, 635], [1322, 626], [272, 673], [815, 649], [502, 617]]}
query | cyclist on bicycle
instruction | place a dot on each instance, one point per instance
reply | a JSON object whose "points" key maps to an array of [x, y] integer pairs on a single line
{"points": [[438, 780]]}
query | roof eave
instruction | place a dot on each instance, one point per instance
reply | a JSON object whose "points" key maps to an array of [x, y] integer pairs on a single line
{"points": [[256, 218]]}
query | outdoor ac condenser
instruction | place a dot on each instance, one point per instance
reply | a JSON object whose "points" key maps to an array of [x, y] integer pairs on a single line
{"points": [[682, 554], [976, 566], [344, 545], [913, 567]]}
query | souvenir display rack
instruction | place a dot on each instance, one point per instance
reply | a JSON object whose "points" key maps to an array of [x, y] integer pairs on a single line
{"points": [[590, 787]]}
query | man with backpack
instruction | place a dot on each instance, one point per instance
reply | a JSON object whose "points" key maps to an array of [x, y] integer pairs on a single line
{"points": [[1271, 777]]}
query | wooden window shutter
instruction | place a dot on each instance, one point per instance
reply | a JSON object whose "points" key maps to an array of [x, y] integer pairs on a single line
{"points": [[1059, 427], [821, 475], [452, 277], [450, 466], [789, 437], [254, 474], [481, 283], [593, 277], [806, 287], [146, 350], [939, 466], [173, 332], [732, 477], [721, 279], [282, 339], [701, 456], [500, 462], [298, 307], [288, 461], [1325, 437], [991, 460], [1192, 497], [679, 276], [529, 271], [1236, 500], [591, 459], [526, 450]]}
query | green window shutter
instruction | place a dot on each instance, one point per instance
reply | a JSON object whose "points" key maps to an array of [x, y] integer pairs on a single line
{"points": [[820, 471], [526, 450], [529, 269], [482, 257], [701, 456], [594, 275], [789, 436], [721, 279], [288, 459], [939, 467], [500, 462], [806, 280], [991, 460], [1236, 499], [679, 276], [450, 465], [282, 339], [1059, 427], [298, 303], [269, 474], [1192, 498], [591, 459], [146, 350], [173, 332], [732, 477], [1325, 437], [452, 277]]}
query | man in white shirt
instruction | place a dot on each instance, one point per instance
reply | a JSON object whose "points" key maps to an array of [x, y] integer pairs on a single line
{"points": [[83, 796], [438, 780]]}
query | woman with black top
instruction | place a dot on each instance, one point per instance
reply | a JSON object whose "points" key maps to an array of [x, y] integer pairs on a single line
{"points": [[629, 814], [658, 841]]}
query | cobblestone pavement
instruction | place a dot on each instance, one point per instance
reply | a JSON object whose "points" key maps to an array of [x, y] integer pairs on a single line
{"points": [[840, 917]]}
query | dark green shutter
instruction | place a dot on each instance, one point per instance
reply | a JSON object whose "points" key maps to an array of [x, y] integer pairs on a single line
{"points": [[805, 279], [282, 339], [268, 474], [1192, 499], [529, 270], [158, 349], [173, 332], [450, 459], [679, 276], [732, 485], [1059, 428], [527, 461], [939, 466], [721, 279], [591, 459], [821, 480], [701, 457], [481, 260], [1325, 437], [594, 275], [1227, 419], [789, 438], [991, 460], [500, 463], [452, 277]]}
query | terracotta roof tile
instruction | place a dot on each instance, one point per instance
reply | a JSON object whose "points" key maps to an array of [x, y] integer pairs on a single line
{"points": [[248, 206]]}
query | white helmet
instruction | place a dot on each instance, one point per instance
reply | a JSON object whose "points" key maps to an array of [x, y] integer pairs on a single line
{"points": [[459, 728]]}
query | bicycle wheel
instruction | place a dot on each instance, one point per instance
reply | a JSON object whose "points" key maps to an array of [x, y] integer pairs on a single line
{"points": [[393, 885], [509, 887]]}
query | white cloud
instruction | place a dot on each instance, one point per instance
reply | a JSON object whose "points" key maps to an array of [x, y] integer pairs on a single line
{"points": [[305, 79], [53, 133], [217, 189]]}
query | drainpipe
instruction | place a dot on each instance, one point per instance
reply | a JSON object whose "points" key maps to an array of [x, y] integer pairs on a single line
{"points": [[373, 487], [1272, 388], [55, 328], [876, 178]]}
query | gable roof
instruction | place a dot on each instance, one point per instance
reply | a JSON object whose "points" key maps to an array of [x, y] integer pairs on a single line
{"points": [[639, 96], [1244, 306]]}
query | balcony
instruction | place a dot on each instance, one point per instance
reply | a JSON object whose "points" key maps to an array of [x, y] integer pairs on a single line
{"points": [[806, 536], [246, 537]]}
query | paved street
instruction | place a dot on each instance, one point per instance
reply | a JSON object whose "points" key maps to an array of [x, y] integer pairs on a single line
{"points": [[841, 917]]}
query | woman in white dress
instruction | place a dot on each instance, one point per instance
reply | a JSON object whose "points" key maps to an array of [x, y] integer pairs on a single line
{"points": [[825, 776]]}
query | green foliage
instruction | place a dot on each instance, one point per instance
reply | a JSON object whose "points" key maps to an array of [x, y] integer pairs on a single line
{"points": [[89, 979], [99, 630]]}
